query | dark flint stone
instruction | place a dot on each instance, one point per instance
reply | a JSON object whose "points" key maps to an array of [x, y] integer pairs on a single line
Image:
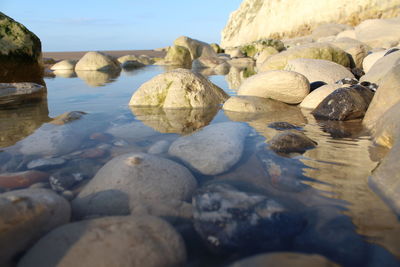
{"points": [[282, 125], [232, 220], [392, 50], [316, 84], [357, 72], [291, 142], [344, 104], [371, 86]]}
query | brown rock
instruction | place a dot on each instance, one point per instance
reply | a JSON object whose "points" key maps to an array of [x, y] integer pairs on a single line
{"points": [[22, 179]]}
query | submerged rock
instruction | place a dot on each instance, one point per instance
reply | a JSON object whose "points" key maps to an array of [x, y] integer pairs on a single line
{"points": [[344, 104], [179, 88], [282, 125], [45, 163], [214, 149], [25, 216], [290, 141], [134, 180], [67, 117], [22, 179], [112, 241], [230, 220]]}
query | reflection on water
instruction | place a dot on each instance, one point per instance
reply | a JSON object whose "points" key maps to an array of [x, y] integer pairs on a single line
{"points": [[328, 183], [180, 121], [65, 73]]}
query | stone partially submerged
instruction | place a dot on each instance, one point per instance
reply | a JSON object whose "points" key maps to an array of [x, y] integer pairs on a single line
{"points": [[179, 88], [17, 93], [195, 47], [97, 61]]}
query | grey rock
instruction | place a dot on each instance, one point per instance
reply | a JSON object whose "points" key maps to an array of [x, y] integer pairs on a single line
{"points": [[344, 104], [26, 215], [45, 163], [159, 147], [134, 180], [281, 125], [212, 150], [290, 141], [112, 241], [16, 93]]}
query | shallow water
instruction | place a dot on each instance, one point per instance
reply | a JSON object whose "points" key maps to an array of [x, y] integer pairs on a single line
{"points": [[330, 181]]}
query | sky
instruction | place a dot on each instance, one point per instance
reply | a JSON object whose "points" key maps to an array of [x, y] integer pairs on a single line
{"points": [[119, 24]]}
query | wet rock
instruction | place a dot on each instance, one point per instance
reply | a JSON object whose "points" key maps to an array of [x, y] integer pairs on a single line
{"points": [[93, 153], [68, 64], [96, 61], [276, 259], [349, 81], [136, 180], [251, 104], [102, 137], [45, 163], [159, 147], [232, 220], [67, 117], [132, 64], [315, 85], [22, 179], [179, 88], [290, 141], [313, 99], [17, 93], [63, 180], [25, 216], [286, 86], [371, 86], [281, 125], [214, 149], [133, 131], [319, 70], [344, 104], [180, 121], [112, 241], [357, 72]]}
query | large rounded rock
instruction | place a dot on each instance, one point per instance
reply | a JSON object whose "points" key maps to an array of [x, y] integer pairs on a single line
{"points": [[207, 62], [214, 149], [356, 49], [251, 104], [286, 86], [311, 51], [379, 32], [26, 215], [233, 220], [179, 88], [17, 93], [382, 67], [344, 104], [20, 53], [195, 47], [313, 99], [178, 56], [278, 259], [112, 241], [291, 142], [134, 181], [387, 95], [97, 61], [68, 64], [329, 29], [319, 70], [371, 59]]}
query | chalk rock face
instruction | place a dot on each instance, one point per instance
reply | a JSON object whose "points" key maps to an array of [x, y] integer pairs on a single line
{"points": [[214, 149], [319, 70], [179, 88], [97, 61], [26, 215], [323, 51], [68, 64], [258, 19], [112, 241], [195, 47], [286, 86], [379, 32]]}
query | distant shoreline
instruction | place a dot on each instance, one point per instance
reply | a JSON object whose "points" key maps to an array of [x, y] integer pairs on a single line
{"points": [[114, 53]]}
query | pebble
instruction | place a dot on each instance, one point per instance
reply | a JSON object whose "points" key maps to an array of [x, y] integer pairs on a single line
{"points": [[291, 142], [22, 179], [102, 137], [93, 153]]}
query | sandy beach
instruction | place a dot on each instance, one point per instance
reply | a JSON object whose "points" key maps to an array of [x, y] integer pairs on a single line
{"points": [[114, 53]]}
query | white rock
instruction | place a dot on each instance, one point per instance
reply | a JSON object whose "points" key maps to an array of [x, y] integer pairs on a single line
{"points": [[212, 150], [159, 147], [347, 34], [381, 67], [97, 61], [112, 241], [379, 32], [134, 180], [313, 99], [67, 64], [319, 70], [371, 59], [179, 88], [286, 86]]}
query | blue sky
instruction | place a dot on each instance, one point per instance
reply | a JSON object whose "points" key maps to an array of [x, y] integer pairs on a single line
{"points": [[120, 24]]}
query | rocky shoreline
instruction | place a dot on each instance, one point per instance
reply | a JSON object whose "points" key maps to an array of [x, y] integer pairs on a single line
{"points": [[109, 202]]}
